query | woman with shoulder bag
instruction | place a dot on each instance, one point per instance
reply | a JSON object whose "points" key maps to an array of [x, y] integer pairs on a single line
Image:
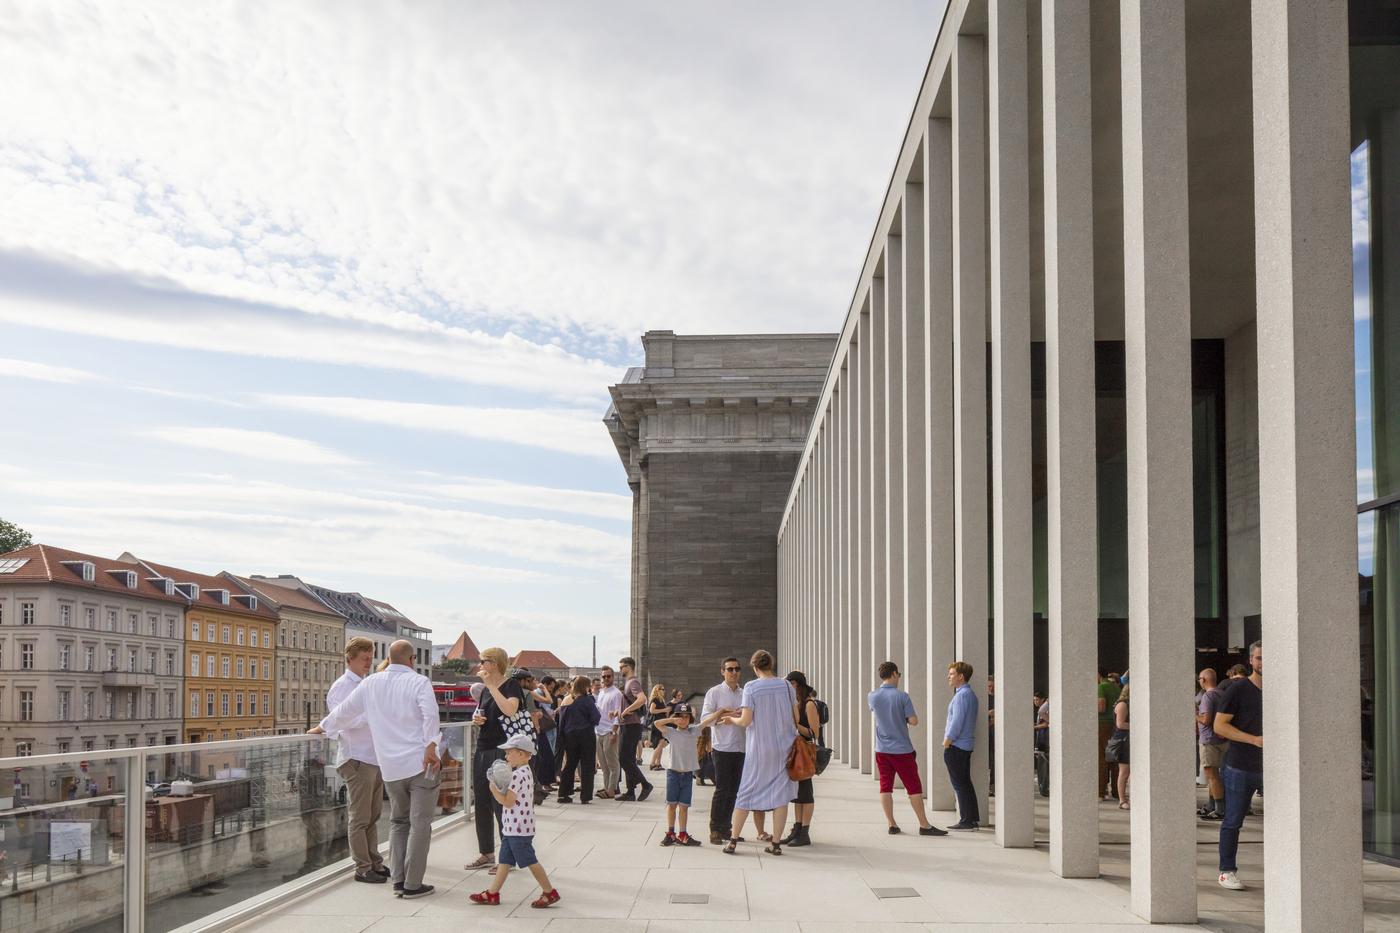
{"points": [[809, 727], [501, 712], [768, 715], [1117, 749]]}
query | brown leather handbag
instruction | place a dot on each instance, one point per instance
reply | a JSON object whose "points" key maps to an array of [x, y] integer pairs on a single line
{"points": [[802, 759]]}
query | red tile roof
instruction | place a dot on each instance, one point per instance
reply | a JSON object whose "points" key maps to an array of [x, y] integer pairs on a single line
{"points": [[286, 596], [206, 584], [539, 660], [45, 564], [463, 649]]}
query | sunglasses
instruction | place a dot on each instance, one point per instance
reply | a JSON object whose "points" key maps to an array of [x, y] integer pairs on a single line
{"points": [[732, 670]]}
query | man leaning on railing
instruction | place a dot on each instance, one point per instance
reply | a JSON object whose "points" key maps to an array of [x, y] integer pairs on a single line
{"points": [[399, 707]]}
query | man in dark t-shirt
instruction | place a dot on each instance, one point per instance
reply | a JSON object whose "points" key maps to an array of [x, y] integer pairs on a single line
{"points": [[630, 719], [1239, 718]]}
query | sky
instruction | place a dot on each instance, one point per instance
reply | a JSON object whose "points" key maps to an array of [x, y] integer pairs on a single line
{"points": [[337, 290]]}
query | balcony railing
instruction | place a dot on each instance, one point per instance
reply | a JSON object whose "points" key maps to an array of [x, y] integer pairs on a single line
{"points": [[128, 679], [186, 838]]}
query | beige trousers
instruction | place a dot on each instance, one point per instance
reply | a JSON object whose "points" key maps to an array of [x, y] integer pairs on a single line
{"points": [[608, 761], [366, 789]]}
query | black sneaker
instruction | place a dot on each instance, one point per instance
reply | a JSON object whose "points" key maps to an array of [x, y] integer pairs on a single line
{"points": [[894, 830], [419, 891], [382, 871], [398, 889], [685, 839], [669, 839], [1212, 817], [646, 792], [963, 827], [932, 831], [628, 797], [370, 877], [566, 800]]}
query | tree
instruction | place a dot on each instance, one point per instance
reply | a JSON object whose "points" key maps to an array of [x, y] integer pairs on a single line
{"points": [[13, 537]]}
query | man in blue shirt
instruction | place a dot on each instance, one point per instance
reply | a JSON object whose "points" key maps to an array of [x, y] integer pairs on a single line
{"points": [[894, 753], [957, 744]]}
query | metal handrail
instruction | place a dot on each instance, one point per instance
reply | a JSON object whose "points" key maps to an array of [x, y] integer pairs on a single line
{"points": [[133, 796]]}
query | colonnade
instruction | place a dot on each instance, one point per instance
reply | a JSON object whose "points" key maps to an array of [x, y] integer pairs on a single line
{"points": [[908, 527]]}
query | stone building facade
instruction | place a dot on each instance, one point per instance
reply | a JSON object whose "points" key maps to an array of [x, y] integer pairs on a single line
{"points": [[310, 652], [92, 652], [710, 431]]}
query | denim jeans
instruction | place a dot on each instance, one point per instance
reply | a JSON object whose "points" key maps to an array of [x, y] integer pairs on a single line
{"points": [[1240, 787], [959, 762]]}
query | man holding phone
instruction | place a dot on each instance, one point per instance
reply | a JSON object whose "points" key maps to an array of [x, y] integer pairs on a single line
{"points": [[402, 714]]}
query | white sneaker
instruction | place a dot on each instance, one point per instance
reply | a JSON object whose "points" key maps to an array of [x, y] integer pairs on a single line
{"points": [[1229, 879]]}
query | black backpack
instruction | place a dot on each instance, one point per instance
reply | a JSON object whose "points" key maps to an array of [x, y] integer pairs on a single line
{"points": [[823, 712]]}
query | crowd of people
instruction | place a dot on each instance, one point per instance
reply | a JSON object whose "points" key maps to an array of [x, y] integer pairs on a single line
{"points": [[760, 742]]}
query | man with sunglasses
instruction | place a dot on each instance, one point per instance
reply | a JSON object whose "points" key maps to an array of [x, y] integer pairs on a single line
{"points": [[609, 700], [727, 746]]}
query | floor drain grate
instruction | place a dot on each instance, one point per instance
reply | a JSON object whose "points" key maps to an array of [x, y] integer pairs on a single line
{"points": [[690, 898], [895, 892]]}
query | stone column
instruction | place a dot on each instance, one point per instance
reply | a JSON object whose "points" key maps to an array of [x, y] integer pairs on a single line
{"points": [[876, 487], [1012, 562], [914, 659], [970, 378], [1312, 837], [1071, 465], [849, 559], [895, 492], [833, 684], [1157, 336], [870, 558], [938, 355]]}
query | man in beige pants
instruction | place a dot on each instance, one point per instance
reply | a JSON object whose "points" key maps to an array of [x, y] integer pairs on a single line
{"points": [[359, 768], [609, 701]]}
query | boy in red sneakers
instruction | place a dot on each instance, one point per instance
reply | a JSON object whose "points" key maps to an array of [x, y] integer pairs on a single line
{"points": [[680, 730], [517, 826]]}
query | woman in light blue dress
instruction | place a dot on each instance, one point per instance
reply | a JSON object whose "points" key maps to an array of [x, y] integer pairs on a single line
{"points": [[768, 716]]}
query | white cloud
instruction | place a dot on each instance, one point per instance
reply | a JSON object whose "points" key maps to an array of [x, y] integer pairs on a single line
{"points": [[257, 445], [573, 431], [546, 498], [44, 372]]}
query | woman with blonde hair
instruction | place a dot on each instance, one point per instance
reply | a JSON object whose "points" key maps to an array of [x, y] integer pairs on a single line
{"points": [[768, 714], [657, 708], [501, 699]]}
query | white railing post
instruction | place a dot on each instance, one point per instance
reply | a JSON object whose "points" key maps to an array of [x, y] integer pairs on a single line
{"points": [[134, 832]]}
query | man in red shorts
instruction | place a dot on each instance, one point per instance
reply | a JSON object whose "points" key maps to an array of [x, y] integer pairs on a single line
{"points": [[894, 753]]}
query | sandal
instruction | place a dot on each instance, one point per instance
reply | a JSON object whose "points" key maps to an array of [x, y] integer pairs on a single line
{"points": [[486, 898], [765, 837], [482, 861], [774, 849], [730, 847], [1124, 806], [546, 898]]}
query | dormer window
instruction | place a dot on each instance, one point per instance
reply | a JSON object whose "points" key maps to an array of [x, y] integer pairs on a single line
{"points": [[219, 596], [83, 568], [248, 600], [127, 578], [131, 580], [191, 590]]}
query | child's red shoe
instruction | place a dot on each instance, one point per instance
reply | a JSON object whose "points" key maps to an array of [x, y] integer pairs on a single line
{"points": [[487, 898], [546, 899]]}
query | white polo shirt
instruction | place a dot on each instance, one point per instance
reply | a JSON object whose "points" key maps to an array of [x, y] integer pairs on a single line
{"points": [[399, 707], [354, 743]]}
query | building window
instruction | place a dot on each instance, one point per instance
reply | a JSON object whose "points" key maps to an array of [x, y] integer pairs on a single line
{"points": [[267, 704], [65, 705], [90, 617], [151, 705], [87, 705], [24, 750], [132, 622], [267, 638], [238, 704], [209, 665], [282, 704], [108, 707], [305, 669], [240, 636], [209, 704], [150, 662], [239, 667], [223, 666], [282, 638], [170, 663], [194, 704], [88, 657], [26, 656], [111, 620], [209, 633], [26, 613], [111, 658], [267, 669], [26, 706], [65, 653], [153, 624], [223, 704], [87, 745], [111, 743], [282, 668], [169, 705], [131, 705], [65, 615], [131, 660], [170, 625], [194, 631], [227, 632]]}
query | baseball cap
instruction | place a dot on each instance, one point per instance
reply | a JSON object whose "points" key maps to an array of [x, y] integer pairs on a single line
{"points": [[683, 709], [522, 742]]}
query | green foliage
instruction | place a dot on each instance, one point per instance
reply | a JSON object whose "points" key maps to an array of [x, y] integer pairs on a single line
{"points": [[13, 537], [456, 666]]}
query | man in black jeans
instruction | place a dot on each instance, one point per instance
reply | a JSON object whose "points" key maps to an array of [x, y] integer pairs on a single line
{"points": [[502, 697], [630, 719], [1239, 718], [726, 747]]}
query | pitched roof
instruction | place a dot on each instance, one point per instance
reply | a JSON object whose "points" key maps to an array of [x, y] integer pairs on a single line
{"points": [[208, 586], [284, 596], [539, 660], [356, 612], [463, 649], [44, 563]]}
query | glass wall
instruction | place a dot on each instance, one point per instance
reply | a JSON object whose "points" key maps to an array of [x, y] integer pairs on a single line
{"points": [[1375, 198]]}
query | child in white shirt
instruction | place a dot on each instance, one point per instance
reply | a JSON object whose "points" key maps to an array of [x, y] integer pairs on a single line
{"points": [[517, 826]]}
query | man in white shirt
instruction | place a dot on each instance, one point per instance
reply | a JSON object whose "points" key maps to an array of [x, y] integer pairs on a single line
{"points": [[727, 746], [359, 768], [609, 700], [399, 707]]}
